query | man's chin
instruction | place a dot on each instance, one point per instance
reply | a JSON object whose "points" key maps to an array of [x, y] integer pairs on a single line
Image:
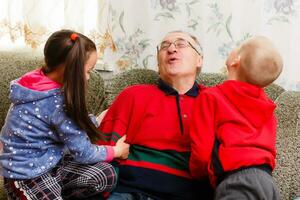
{"points": [[174, 69]]}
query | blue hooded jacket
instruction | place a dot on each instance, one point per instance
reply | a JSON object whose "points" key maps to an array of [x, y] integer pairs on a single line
{"points": [[37, 133]]}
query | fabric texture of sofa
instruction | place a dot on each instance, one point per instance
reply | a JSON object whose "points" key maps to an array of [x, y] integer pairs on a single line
{"points": [[101, 95]]}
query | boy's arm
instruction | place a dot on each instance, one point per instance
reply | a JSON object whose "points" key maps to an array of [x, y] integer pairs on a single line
{"points": [[202, 135]]}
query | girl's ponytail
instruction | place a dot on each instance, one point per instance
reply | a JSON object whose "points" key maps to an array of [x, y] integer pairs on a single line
{"points": [[72, 50]]}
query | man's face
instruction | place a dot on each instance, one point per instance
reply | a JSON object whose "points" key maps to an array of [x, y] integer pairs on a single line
{"points": [[176, 60]]}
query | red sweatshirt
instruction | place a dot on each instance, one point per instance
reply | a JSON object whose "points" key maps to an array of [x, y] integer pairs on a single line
{"points": [[155, 119], [236, 120]]}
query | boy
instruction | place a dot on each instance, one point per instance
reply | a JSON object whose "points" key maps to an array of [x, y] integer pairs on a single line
{"points": [[233, 131]]}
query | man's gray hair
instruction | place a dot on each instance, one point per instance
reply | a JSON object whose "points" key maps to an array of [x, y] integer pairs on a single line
{"points": [[199, 47]]}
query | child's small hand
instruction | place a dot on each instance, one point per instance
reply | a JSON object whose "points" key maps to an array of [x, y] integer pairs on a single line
{"points": [[121, 149]]}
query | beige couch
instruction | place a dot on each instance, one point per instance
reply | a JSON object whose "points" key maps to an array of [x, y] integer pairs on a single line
{"points": [[287, 173]]}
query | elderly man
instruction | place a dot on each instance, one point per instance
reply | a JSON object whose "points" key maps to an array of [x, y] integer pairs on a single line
{"points": [[155, 120]]}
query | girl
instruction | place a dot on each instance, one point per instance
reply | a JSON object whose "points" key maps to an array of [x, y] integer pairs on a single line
{"points": [[47, 151]]}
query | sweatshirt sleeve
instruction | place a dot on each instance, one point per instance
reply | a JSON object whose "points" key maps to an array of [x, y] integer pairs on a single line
{"points": [[117, 119], [77, 141], [202, 135]]}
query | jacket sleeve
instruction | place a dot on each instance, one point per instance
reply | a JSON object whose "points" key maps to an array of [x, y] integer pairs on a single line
{"points": [[77, 141], [117, 119], [94, 120], [202, 135]]}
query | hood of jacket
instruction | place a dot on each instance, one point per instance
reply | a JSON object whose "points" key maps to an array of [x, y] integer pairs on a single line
{"points": [[251, 101], [31, 87]]}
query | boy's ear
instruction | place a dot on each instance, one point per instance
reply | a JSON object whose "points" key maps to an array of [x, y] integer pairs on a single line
{"points": [[236, 62]]}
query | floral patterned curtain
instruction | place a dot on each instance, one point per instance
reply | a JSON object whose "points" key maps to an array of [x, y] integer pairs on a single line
{"points": [[127, 31]]}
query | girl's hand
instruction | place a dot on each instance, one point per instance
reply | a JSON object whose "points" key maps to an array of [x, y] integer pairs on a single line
{"points": [[121, 149]]}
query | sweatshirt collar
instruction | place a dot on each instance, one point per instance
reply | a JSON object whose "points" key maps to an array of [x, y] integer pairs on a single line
{"points": [[168, 90]]}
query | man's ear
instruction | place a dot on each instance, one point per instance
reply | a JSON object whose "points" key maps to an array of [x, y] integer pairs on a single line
{"points": [[199, 61]]}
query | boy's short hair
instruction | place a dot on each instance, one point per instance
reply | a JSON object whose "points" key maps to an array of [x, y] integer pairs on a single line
{"points": [[261, 63]]}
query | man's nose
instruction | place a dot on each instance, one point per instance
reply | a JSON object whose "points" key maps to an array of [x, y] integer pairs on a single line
{"points": [[172, 48]]}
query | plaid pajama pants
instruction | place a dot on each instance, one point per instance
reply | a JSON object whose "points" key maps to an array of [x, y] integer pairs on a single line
{"points": [[68, 180]]}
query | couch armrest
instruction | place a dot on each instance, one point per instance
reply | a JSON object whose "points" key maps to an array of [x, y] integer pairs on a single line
{"points": [[287, 171]]}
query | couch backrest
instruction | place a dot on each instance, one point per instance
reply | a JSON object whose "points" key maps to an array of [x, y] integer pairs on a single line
{"points": [[287, 171], [147, 76], [127, 78]]}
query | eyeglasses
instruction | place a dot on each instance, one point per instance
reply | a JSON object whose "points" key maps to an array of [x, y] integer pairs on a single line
{"points": [[179, 44]]}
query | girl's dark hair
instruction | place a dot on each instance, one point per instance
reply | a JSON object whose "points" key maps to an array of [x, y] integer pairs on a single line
{"points": [[61, 50]]}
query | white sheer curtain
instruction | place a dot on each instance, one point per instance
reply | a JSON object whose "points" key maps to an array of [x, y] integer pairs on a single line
{"points": [[28, 23], [127, 31]]}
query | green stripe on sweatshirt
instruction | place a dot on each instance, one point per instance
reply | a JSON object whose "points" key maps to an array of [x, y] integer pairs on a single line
{"points": [[167, 158], [111, 136]]}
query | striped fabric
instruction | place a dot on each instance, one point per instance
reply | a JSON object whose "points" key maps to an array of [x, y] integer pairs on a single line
{"points": [[168, 161], [159, 174], [69, 180]]}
